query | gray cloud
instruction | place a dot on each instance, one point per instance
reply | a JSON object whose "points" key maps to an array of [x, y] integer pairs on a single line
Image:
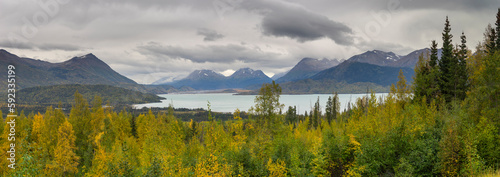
{"points": [[209, 35], [271, 35], [208, 53], [43, 47], [283, 19], [305, 27], [360, 5]]}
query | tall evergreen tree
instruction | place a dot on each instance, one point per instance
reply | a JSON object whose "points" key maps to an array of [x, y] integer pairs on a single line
{"points": [[447, 64], [316, 114], [434, 54], [421, 80], [491, 44], [462, 68], [291, 115], [497, 23], [328, 110], [434, 72], [332, 108]]}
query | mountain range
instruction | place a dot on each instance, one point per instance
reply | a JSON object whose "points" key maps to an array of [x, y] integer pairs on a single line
{"points": [[308, 67], [210, 80], [377, 67]]}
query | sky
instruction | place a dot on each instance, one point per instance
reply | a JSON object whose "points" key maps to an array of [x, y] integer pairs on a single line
{"points": [[150, 40]]}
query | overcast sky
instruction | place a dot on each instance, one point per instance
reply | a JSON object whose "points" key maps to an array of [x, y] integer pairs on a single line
{"points": [[147, 40]]}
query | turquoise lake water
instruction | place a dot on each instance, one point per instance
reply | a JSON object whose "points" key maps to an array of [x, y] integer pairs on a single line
{"points": [[228, 102]]}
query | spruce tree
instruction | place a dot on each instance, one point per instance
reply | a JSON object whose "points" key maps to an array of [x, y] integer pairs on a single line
{"points": [[328, 110], [446, 64], [332, 107], [497, 23], [433, 72], [316, 114], [291, 115], [491, 44], [421, 79], [462, 68], [434, 53]]}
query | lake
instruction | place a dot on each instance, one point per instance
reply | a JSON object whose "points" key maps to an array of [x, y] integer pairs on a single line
{"points": [[228, 102]]}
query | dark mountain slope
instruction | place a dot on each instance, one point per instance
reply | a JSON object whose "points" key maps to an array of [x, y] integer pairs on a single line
{"points": [[86, 69], [245, 77], [352, 72], [306, 68]]}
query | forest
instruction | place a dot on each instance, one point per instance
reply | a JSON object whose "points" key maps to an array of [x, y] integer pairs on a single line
{"points": [[445, 123]]}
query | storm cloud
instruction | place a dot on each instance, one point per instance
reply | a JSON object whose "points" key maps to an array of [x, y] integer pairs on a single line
{"points": [[283, 19], [208, 53]]}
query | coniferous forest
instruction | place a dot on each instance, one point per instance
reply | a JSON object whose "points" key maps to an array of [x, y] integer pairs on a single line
{"points": [[445, 123]]}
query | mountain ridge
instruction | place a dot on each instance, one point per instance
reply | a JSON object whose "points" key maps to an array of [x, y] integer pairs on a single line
{"points": [[352, 72], [86, 69], [306, 68], [210, 80]]}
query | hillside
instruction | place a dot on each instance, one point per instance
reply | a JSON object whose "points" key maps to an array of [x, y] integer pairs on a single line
{"points": [[306, 68], [202, 80], [65, 94], [246, 77], [352, 72], [87, 69]]}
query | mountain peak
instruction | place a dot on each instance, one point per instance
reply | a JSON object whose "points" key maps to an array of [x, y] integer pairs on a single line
{"points": [[376, 57], [245, 70], [86, 60], [307, 60], [306, 68], [87, 56], [411, 59], [248, 73], [204, 74]]}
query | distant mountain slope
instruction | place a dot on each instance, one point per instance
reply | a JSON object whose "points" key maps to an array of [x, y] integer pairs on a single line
{"points": [[278, 75], [210, 80], [375, 57], [352, 72], [306, 68], [65, 94], [245, 77], [411, 59], [202, 80], [87, 69], [163, 89]]}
